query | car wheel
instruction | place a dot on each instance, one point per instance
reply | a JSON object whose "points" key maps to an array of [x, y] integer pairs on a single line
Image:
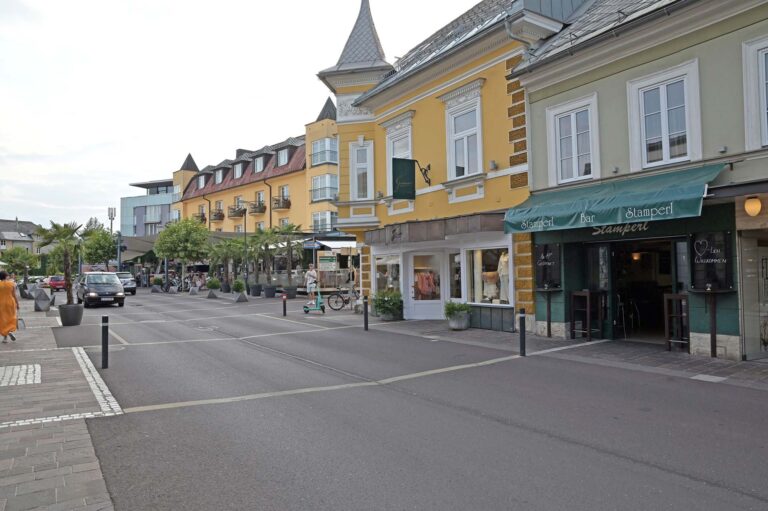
{"points": [[133, 293], [120, 304]]}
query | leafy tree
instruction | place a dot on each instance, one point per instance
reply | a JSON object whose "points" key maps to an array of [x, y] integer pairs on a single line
{"points": [[99, 247], [18, 260], [91, 226], [66, 235], [185, 240], [288, 235]]}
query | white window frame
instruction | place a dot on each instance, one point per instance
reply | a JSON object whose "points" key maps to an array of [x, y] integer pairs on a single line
{"points": [[238, 170], [259, 226], [3, 244], [353, 147], [329, 145], [553, 137], [325, 182], [239, 202], [238, 228], [218, 205], [258, 164], [689, 71], [260, 197], [755, 107], [323, 221], [200, 182], [282, 157], [451, 137], [284, 221], [218, 176], [284, 192], [403, 133], [201, 209]]}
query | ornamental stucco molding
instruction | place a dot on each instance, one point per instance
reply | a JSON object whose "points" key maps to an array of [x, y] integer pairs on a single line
{"points": [[463, 94], [399, 122], [346, 112]]}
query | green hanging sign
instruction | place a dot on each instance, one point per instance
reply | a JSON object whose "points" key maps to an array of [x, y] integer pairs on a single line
{"points": [[403, 179]]}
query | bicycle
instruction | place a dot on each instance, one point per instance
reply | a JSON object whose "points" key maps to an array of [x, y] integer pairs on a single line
{"points": [[339, 299]]}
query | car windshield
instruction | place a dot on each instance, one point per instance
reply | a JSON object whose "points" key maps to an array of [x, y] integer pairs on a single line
{"points": [[109, 278], [124, 275], [57, 279]]}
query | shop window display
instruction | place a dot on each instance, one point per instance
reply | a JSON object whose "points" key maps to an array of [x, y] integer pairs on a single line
{"points": [[426, 277], [488, 274], [388, 273], [455, 262]]}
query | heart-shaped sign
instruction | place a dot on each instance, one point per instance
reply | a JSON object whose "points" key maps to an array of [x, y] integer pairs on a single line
{"points": [[701, 247]]}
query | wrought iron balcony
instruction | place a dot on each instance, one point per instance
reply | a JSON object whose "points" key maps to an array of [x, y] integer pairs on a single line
{"points": [[236, 211], [281, 203], [217, 215], [200, 217], [257, 208]]}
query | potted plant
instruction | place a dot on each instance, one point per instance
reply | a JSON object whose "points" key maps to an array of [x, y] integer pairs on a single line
{"points": [[238, 288], [213, 285], [288, 234], [66, 237], [157, 285], [388, 305], [458, 315]]}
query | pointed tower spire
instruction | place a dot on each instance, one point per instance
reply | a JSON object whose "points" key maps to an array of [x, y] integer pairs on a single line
{"points": [[328, 111], [189, 164], [363, 48]]}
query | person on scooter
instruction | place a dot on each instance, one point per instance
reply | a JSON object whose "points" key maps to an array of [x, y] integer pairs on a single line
{"points": [[310, 281]]}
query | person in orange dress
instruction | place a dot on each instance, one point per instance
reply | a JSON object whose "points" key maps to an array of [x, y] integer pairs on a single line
{"points": [[9, 304]]}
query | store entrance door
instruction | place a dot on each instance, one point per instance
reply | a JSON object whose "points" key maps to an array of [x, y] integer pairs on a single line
{"points": [[643, 272], [754, 286], [425, 300]]}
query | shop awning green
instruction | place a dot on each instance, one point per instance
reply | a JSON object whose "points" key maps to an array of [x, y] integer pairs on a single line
{"points": [[676, 194]]}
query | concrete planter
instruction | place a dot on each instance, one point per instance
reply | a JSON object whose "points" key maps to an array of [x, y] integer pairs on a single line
{"points": [[459, 321], [290, 291], [240, 298], [71, 315], [193, 291], [212, 295], [269, 291], [255, 290], [387, 316], [156, 289]]}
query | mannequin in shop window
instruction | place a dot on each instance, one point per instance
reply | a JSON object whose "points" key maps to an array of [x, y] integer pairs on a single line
{"points": [[490, 286], [427, 286], [503, 272]]}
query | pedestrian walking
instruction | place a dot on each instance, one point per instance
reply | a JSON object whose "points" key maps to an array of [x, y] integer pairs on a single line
{"points": [[310, 281], [9, 305]]}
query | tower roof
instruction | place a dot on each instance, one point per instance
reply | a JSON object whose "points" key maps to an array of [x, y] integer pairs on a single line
{"points": [[189, 164], [328, 111], [363, 49]]}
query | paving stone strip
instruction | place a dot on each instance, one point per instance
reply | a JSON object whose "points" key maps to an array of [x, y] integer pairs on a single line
{"points": [[47, 459]]}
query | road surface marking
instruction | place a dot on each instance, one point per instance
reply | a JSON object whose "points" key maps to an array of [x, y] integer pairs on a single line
{"points": [[25, 374], [56, 418], [116, 336], [569, 347], [107, 402], [708, 378], [308, 390], [58, 320]]}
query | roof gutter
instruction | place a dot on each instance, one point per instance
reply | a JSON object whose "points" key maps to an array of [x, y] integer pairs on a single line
{"points": [[659, 13]]}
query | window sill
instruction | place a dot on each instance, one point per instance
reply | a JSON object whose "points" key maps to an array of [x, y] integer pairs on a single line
{"points": [[464, 180]]}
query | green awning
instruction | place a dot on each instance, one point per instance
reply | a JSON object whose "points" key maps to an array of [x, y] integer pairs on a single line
{"points": [[677, 194]]}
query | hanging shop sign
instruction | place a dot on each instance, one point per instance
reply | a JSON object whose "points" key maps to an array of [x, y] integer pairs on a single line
{"points": [[711, 264], [548, 266], [403, 179]]}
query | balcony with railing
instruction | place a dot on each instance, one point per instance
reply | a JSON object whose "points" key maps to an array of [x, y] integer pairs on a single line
{"points": [[327, 156], [200, 217], [236, 211], [257, 208], [217, 215], [281, 203], [325, 193]]}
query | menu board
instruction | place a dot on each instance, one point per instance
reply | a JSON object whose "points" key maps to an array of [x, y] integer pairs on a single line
{"points": [[548, 266], [712, 267]]}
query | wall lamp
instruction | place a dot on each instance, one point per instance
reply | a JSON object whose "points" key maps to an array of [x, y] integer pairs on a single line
{"points": [[753, 206]]}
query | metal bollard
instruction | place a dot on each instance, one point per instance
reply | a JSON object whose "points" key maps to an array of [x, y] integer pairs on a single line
{"points": [[365, 312], [522, 332], [285, 304], [104, 342]]}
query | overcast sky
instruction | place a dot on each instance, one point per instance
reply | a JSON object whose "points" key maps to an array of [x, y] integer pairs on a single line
{"points": [[97, 94]]}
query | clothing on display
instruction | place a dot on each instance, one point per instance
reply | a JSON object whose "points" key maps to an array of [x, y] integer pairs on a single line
{"points": [[504, 277]]}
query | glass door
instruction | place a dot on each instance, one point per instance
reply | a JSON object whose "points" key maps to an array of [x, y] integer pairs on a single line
{"points": [[754, 288], [426, 286]]}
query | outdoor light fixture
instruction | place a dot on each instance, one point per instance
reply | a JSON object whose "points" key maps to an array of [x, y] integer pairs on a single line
{"points": [[636, 256], [753, 206]]}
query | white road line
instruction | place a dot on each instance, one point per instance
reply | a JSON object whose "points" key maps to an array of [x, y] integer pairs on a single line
{"points": [[56, 418], [58, 320], [100, 390], [116, 336], [569, 347]]}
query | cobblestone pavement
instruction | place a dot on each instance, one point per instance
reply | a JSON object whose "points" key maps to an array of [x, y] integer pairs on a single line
{"points": [[47, 460]]}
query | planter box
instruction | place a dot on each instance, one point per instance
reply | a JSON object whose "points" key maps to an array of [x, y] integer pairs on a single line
{"points": [[255, 290], [269, 291], [71, 315], [290, 291], [459, 321]]}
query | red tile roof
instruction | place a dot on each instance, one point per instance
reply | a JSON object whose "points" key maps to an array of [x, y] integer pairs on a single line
{"points": [[296, 163]]}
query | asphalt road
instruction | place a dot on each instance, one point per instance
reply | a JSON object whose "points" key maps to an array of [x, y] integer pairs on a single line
{"points": [[233, 407]]}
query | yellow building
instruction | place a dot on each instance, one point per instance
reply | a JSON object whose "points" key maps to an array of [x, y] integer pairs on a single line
{"points": [[273, 186], [447, 105]]}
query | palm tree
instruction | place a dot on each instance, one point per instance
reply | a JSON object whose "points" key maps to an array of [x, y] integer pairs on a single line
{"points": [[66, 236], [224, 252], [288, 233], [268, 241]]}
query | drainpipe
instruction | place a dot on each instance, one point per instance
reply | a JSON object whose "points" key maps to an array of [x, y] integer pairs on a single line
{"points": [[508, 27], [269, 203]]}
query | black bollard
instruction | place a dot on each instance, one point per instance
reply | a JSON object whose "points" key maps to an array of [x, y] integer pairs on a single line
{"points": [[104, 342], [522, 332], [285, 304], [365, 312]]}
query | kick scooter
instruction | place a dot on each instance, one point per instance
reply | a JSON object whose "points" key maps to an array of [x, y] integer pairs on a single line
{"points": [[318, 305]]}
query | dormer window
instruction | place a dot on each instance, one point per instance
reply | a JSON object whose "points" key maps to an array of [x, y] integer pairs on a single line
{"points": [[200, 182], [219, 176], [258, 164], [282, 157], [238, 170]]}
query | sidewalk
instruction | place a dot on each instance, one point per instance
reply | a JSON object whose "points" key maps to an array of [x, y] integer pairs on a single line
{"points": [[47, 460]]}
